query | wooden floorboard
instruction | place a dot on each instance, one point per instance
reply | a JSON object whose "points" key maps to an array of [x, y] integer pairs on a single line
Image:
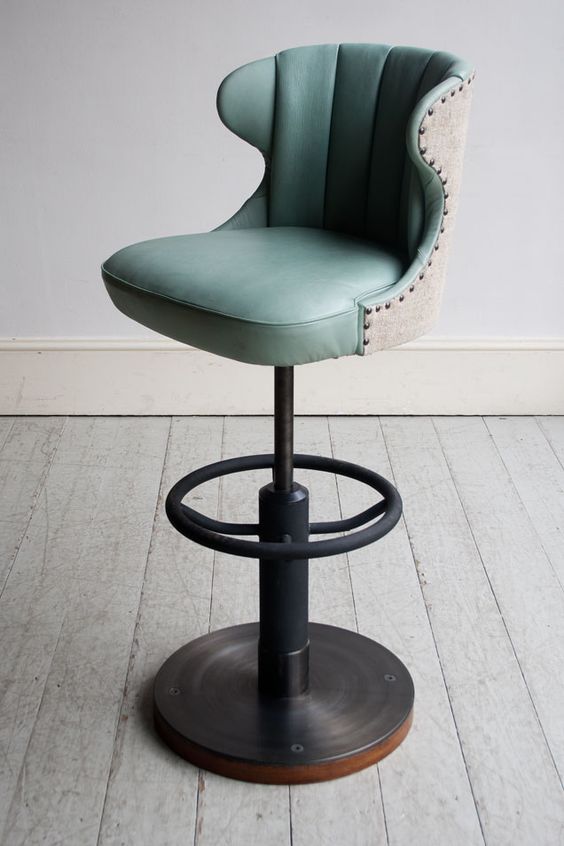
{"points": [[150, 789], [511, 770], [524, 583], [534, 456], [390, 606], [27, 448], [99, 590], [553, 428], [67, 616], [6, 424]]}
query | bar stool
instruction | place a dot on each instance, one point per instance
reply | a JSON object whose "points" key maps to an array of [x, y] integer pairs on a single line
{"points": [[341, 250]]}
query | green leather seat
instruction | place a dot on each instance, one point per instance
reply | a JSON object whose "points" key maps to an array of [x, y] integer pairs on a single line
{"points": [[259, 295], [347, 214]]}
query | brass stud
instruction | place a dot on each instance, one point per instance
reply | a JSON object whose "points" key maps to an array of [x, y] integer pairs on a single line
{"points": [[411, 289], [442, 229], [444, 180], [453, 92], [366, 342], [460, 87], [377, 308], [430, 262], [401, 299], [368, 310], [388, 305], [367, 325], [445, 211], [421, 275], [423, 150], [421, 130], [469, 80], [430, 112], [446, 195], [431, 162], [436, 246], [439, 170], [443, 99]]}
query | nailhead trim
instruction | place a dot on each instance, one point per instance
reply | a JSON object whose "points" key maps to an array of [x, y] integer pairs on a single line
{"points": [[438, 171]]}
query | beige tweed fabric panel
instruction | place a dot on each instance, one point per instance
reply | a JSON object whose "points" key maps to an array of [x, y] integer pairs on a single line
{"points": [[411, 313]]}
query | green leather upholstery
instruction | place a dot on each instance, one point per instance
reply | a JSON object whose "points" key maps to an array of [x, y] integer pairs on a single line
{"points": [[259, 295], [345, 211]]}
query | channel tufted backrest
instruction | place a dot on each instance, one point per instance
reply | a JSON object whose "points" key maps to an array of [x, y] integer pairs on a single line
{"points": [[331, 122]]}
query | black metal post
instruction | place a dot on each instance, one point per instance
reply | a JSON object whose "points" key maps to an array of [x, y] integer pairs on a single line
{"points": [[283, 517], [283, 428]]}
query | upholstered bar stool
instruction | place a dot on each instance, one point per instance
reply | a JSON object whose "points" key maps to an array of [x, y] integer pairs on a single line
{"points": [[340, 251]]}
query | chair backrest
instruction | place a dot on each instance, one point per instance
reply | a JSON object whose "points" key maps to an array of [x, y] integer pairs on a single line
{"points": [[331, 122]]}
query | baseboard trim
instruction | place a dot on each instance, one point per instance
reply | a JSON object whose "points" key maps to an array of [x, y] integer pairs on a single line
{"points": [[151, 377]]}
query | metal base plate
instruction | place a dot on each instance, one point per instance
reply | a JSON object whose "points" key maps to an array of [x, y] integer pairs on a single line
{"points": [[209, 710]]}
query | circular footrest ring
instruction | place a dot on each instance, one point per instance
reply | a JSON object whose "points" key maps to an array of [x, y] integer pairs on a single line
{"points": [[214, 534]]}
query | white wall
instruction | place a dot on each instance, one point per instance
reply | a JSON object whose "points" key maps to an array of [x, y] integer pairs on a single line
{"points": [[111, 136]]}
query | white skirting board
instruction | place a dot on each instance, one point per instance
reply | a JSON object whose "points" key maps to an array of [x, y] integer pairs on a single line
{"points": [[151, 377]]}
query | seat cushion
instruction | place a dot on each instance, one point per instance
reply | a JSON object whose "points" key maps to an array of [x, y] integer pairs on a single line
{"points": [[275, 295]]}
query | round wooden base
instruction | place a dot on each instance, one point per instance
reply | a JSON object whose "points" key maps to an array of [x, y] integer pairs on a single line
{"points": [[357, 710]]}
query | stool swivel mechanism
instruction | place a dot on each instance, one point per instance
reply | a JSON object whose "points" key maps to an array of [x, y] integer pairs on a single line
{"points": [[284, 700]]}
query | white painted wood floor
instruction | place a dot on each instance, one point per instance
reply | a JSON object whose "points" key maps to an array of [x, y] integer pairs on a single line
{"points": [[98, 589]]}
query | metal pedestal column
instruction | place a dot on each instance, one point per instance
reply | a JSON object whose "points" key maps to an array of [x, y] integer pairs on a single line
{"points": [[283, 666]]}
